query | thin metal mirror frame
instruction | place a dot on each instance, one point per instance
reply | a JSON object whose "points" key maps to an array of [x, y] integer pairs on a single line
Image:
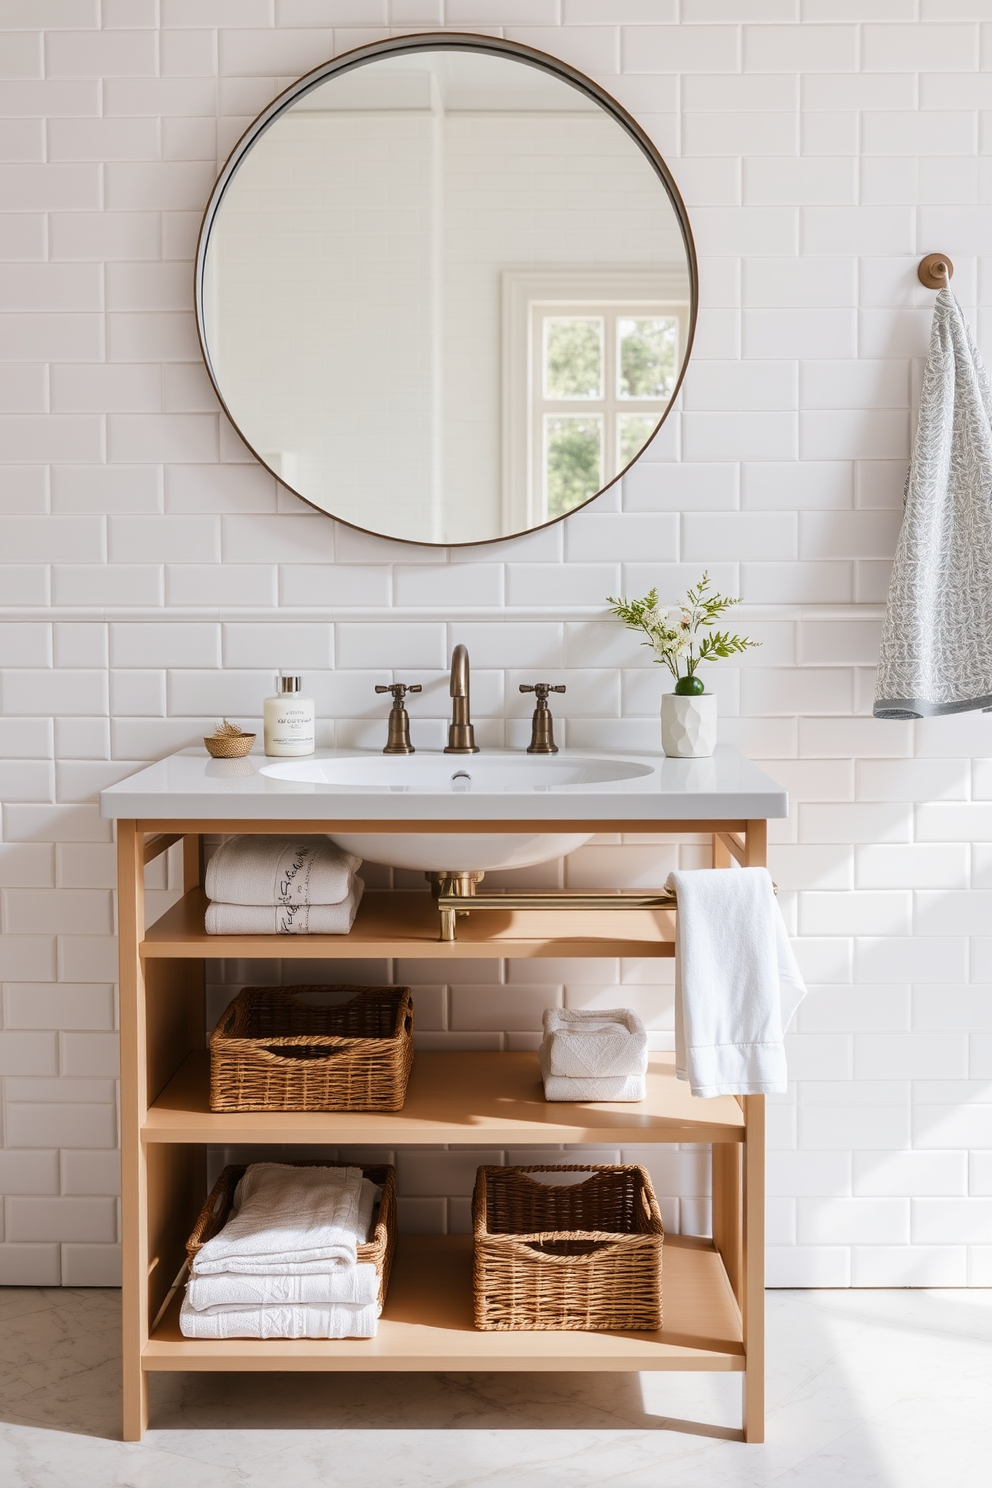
{"points": [[444, 41]]}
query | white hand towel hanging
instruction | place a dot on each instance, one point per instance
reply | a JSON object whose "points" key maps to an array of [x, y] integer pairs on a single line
{"points": [[936, 649], [737, 984], [280, 870]]}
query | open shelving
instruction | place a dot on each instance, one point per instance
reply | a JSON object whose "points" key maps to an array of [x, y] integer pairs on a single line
{"points": [[427, 1325], [712, 1289]]}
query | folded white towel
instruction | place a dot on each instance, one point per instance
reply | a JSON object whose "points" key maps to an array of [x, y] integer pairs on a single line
{"points": [[594, 1088], [588, 1045], [737, 983], [335, 1320], [304, 1217], [289, 1282], [357, 1285], [280, 870], [285, 919]]}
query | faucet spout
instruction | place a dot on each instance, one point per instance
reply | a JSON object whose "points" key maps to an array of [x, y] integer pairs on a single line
{"points": [[461, 734], [459, 672]]}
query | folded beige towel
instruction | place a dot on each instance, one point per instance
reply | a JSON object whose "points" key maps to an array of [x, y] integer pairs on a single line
{"points": [[285, 919], [280, 870]]}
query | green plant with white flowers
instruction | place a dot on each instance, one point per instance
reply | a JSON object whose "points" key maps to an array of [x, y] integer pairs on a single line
{"points": [[680, 635]]}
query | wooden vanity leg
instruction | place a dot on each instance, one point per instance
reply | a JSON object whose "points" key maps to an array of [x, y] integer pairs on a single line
{"points": [[135, 1406], [753, 1300], [756, 856], [130, 930], [756, 844]]}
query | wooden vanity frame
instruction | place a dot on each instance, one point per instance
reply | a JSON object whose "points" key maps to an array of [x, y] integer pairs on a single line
{"points": [[713, 1290]]}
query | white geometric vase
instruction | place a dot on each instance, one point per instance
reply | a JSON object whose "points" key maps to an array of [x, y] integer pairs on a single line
{"points": [[688, 725]]}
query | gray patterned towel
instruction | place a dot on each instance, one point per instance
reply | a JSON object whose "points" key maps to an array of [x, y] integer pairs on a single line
{"points": [[936, 650]]}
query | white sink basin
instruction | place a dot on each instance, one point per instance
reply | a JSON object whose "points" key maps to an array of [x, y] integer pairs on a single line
{"points": [[459, 852], [477, 774], [468, 775]]}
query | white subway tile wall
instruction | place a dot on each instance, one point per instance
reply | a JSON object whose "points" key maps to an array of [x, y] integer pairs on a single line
{"points": [[153, 577]]}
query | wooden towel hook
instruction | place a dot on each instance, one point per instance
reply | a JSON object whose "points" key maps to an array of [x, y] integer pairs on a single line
{"points": [[935, 271]]}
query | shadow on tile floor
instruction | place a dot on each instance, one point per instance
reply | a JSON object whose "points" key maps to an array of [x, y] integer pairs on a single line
{"points": [[61, 1370], [866, 1390]]}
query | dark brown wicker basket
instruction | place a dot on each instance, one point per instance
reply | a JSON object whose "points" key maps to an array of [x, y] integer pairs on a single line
{"points": [[379, 1250], [585, 1256], [274, 1051]]}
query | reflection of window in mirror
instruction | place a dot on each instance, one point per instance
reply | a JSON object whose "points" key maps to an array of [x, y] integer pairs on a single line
{"points": [[590, 364]]}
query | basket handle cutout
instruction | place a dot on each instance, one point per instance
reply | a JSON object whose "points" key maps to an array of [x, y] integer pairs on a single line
{"points": [[568, 1249], [301, 1052], [567, 1177]]}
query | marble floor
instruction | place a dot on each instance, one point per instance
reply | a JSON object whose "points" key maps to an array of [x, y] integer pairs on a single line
{"points": [[867, 1389]]}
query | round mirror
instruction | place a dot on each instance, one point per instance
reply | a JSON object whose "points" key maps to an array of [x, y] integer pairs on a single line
{"points": [[446, 289]]}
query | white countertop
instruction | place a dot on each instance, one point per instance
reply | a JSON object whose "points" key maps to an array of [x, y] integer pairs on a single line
{"points": [[190, 786]]}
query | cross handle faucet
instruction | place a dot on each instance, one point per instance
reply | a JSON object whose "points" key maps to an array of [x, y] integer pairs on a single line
{"points": [[542, 737], [398, 738]]}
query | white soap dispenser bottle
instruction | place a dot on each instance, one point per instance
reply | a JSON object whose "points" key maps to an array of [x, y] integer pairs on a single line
{"points": [[288, 719]]}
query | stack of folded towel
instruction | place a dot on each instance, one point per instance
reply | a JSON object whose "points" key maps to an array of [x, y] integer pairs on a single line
{"points": [[285, 1265], [282, 886], [594, 1056]]}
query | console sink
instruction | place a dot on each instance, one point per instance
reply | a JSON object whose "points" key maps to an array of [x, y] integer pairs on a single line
{"points": [[555, 799], [470, 775]]}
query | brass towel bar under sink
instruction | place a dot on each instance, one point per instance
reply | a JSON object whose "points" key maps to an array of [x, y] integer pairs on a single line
{"points": [[450, 905]]}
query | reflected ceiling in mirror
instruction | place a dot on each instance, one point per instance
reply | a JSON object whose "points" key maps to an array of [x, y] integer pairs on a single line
{"points": [[446, 289]]}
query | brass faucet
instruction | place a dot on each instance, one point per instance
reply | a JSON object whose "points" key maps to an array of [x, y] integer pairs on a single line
{"points": [[461, 734], [542, 736], [398, 738]]}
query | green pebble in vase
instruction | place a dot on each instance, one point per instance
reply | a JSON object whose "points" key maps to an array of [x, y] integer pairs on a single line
{"points": [[689, 686]]}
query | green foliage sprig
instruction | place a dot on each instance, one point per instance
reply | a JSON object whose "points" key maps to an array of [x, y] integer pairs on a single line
{"points": [[674, 631]]}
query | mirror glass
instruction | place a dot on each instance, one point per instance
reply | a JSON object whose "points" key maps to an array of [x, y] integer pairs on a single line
{"points": [[445, 293]]}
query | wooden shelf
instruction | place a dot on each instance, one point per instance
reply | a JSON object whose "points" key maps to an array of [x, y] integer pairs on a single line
{"points": [[427, 1325], [402, 924], [467, 1098]]}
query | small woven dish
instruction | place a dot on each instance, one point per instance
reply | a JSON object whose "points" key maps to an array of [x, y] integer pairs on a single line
{"points": [[379, 1249], [582, 1256], [228, 742]]}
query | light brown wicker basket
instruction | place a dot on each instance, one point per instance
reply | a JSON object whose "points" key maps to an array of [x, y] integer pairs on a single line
{"points": [[379, 1250], [582, 1256], [274, 1051]]}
